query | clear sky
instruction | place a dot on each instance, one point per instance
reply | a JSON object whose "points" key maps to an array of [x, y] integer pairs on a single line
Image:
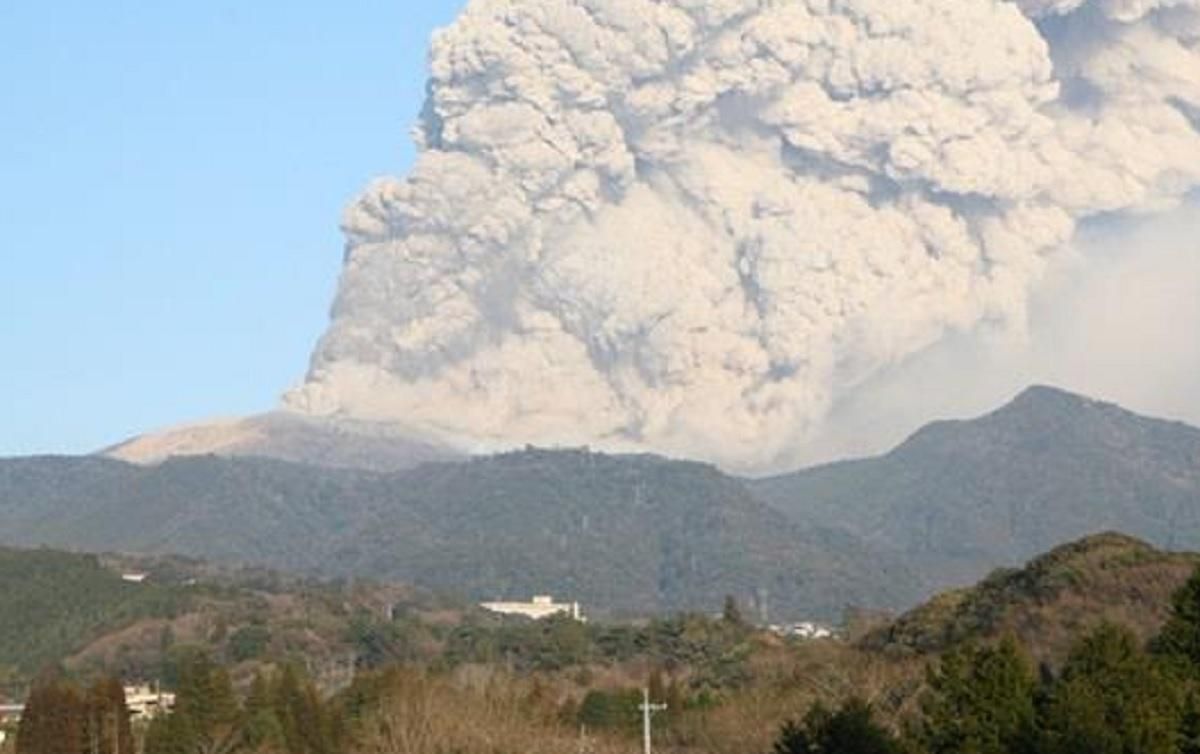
{"points": [[172, 175]]}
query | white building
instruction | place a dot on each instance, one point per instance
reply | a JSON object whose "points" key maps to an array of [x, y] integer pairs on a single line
{"points": [[805, 630], [147, 702], [10, 715], [542, 606]]}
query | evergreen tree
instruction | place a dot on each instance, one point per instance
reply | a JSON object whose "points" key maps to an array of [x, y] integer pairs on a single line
{"points": [[1113, 699], [1179, 639], [54, 719], [107, 729], [731, 613], [157, 737], [614, 710], [980, 701], [303, 720], [1189, 730], [850, 730], [206, 718], [262, 727]]}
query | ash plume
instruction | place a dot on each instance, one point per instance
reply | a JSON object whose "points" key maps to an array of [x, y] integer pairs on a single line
{"points": [[692, 226]]}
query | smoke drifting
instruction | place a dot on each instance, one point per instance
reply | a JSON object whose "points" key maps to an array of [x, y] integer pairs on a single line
{"points": [[693, 226], [1117, 319]]}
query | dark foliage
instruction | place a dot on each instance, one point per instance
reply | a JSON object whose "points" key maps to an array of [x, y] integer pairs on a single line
{"points": [[619, 533], [60, 718], [715, 651], [54, 601], [851, 729], [981, 699], [1180, 637]]}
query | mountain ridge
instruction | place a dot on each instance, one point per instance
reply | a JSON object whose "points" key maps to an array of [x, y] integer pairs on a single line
{"points": [[960, 497], [633, 534], [287, 436], [640, 533]]}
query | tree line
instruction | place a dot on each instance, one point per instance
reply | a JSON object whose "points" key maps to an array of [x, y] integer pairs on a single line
{"points": [[1112, 696], [60, 717]]}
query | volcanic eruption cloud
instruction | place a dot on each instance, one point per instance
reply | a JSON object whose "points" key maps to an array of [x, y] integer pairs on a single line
{"points": [[692, 226]]}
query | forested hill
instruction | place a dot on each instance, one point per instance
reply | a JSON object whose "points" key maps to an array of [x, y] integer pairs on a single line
{"points": [[1047, 603], [960, 498], [78, 610], [643, 534], [621, 534], [51, 602]]}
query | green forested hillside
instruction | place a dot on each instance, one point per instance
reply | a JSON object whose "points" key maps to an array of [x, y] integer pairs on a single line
{"points": [[76, 610], [640, 534], [630, 534], [618, 533], [51, 603], [1095, 642]]}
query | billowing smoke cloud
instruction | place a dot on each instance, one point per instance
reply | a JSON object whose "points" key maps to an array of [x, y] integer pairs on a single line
{"points": [[692, 225], [1116, 318]]}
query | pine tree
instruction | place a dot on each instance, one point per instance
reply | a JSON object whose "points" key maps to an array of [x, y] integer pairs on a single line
{"points": [[1113, 699], [107, 729], [304, 725], [850, 730], [1179, 639], [206, 718], [980, 701], [731, 613], [262, 726], [1189, 730], [54, 720]]}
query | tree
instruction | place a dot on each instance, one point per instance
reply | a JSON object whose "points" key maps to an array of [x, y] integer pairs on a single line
{"points": [[980, 701], [610, 709], [1113, 698], [248, 643], [1179, 639], [731, 612], [262, 727], [54, 718], [297, 705], [1189, 730], [106, 729], [206, 719], [850, 730]]}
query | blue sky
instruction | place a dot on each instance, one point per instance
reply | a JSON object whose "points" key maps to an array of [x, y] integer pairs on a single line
{"points": [[171, 180]]}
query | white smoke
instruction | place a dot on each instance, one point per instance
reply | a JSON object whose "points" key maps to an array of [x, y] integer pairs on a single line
{"points": [[1116, 318], [692, 225]]}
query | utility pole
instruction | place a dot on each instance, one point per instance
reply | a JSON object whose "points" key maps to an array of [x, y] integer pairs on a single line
{"points": [[648, 710]]}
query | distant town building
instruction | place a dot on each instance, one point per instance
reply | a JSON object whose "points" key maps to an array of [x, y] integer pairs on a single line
{"points": [[147, 702], [10, 714], [806, 630], [133, 578], [143, 702], [541, 606]]}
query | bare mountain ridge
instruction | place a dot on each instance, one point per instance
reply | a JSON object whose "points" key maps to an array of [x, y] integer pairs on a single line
{"points": [[961, 497], [286, 436]]}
